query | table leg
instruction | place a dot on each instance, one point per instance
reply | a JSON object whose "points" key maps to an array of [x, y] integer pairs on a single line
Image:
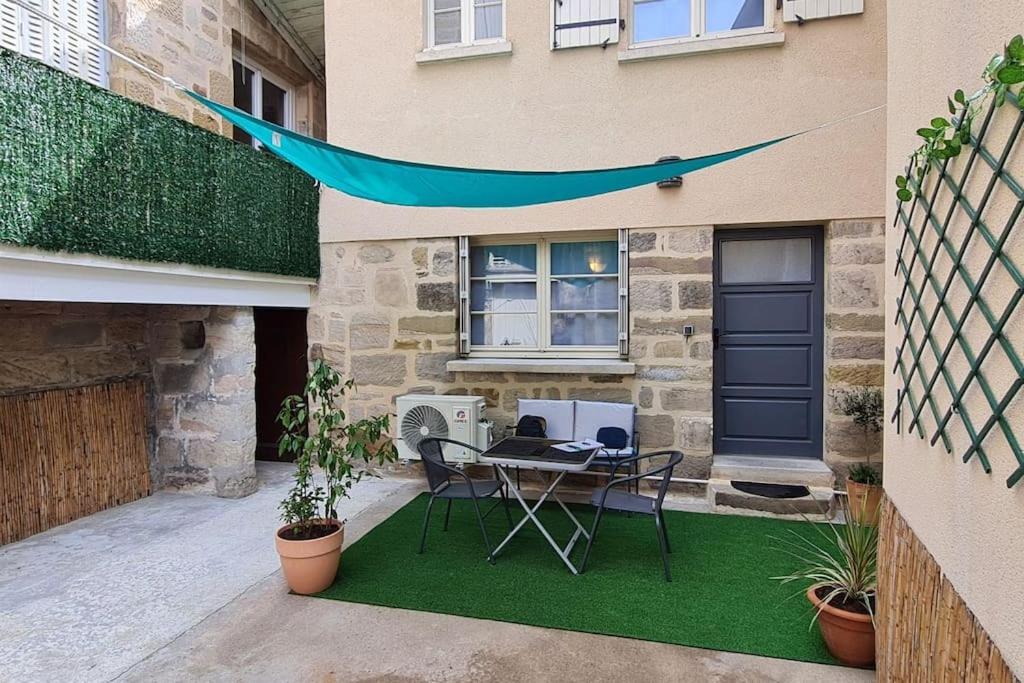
{"points": [[549, 492]]}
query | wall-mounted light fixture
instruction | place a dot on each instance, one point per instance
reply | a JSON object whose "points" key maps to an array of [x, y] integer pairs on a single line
{"points": [[674, 181]]}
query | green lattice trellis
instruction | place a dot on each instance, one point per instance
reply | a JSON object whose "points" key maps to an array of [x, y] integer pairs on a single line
{"points": [[923, 221]]}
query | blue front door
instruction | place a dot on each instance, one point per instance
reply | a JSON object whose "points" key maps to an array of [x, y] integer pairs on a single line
{"points": [[768, 332]]}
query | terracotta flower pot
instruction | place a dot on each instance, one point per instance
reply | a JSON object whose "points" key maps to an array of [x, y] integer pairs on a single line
{"points": [[864, 501], [850, 636], [310, 566]]}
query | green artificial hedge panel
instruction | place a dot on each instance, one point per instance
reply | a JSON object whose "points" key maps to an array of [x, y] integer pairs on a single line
{"points": [[85, 170]]}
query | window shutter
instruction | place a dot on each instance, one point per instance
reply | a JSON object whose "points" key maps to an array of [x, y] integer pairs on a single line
{"points": [[34, 32], [805, 10], [464, 321], [9, 28], [94, 60], [624, 293], [578, 23]]}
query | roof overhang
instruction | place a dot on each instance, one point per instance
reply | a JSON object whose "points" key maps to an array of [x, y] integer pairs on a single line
{"points": [[301, 24]]}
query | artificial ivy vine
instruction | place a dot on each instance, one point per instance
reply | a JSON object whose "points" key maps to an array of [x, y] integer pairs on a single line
{"points": [[945, 138]]}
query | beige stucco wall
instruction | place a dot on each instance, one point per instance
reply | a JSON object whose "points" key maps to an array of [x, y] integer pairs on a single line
{"points": [[969, 520], [192, 41], [582, 108]]}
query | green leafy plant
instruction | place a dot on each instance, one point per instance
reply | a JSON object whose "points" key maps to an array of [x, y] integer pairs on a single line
{"points": [[865, 405], [842, 559], [945, 138], [317, 432]]}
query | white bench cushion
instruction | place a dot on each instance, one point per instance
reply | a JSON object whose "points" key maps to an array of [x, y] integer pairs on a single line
{"points": [[592, 415], [559, 415]]}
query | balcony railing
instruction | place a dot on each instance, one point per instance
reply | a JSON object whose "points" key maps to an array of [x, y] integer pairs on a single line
{"points": [[88, 171]]}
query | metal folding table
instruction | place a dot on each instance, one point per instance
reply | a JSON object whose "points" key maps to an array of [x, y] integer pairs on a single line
{"points": [[541, 456]]}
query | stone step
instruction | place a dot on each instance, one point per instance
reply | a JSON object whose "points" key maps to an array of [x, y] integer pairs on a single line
{"points": [[772, 470]]}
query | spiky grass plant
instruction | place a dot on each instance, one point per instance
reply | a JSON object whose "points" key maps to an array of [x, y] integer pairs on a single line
{"points": [[843, 559]]}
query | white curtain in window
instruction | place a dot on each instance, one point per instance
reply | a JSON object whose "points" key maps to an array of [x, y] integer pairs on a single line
{"points": [[487, 19]]}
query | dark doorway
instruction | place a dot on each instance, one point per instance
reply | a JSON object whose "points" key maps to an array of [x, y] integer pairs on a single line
{"points": [[768, 332], [280, 370]]}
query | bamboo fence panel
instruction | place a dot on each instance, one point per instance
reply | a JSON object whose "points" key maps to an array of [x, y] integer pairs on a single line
{"points": [[926, 631], [68, 453]]}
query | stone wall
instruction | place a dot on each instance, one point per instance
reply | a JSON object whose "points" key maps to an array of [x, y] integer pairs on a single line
{"points": [[198, 366], [854, 333], [192, 42], [385, 314]]}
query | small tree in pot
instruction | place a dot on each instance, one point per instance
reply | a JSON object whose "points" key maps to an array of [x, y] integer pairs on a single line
{"points": [[841, 565], [864, 482], [318, 435]]}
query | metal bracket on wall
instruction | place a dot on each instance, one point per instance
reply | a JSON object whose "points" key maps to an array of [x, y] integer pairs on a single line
{"points": [[940, 227]]}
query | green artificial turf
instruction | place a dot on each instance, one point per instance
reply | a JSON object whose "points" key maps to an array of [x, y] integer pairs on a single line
{"points": [[721, 596]]}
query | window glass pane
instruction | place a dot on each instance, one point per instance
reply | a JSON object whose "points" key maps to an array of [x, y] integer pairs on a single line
{"points": [[659, 19], [584, 329], [503, 297], [730, 15], [503, 259], [584, 293], [447, 22], [779, 260], [584, 258], [274, 102], [487, 19], [242, 98], [504, 330]]}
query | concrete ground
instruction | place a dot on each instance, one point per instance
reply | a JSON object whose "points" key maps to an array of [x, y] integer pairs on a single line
{"points": [[180, 587]]}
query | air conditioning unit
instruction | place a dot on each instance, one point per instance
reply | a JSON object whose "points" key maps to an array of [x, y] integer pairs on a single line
{"points": [[446, 417]]}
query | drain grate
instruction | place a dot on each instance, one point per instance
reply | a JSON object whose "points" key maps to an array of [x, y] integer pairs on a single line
{"points": [[771, 490]]}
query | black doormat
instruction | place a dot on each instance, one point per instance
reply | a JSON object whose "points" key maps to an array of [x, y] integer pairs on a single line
{"points": [[771, 490]]}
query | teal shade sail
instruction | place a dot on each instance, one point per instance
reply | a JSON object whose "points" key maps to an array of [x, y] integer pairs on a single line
{"points": [[406, 183]]}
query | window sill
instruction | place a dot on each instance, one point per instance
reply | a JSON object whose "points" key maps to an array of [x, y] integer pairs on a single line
{"points": [[460, 52], [583, 366], [696, 47]]}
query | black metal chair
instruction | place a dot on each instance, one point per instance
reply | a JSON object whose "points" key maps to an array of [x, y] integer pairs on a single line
{"points": [[439, 478], [608, 498]]}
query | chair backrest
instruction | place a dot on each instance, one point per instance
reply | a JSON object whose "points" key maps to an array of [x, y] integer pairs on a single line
{"points": [[665, 470], [532, 425], [613, 438], [559, 415], [591, 416], [432, 456]]}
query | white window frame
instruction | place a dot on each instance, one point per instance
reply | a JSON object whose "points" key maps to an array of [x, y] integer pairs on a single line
{"points": [[545, 348], [468, 16], [256, 105], [697, 21]]}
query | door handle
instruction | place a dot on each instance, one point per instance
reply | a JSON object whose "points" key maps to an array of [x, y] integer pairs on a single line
{"points": [[714, 338]]}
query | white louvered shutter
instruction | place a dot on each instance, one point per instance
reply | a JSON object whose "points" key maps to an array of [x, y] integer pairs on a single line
{"points": [[624, 293], [464, 320], [35, 32], [579, 23], [806, 10], [94, 60], [10, 30]]}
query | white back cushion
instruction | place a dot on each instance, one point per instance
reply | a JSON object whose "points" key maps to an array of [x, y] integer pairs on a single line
{"points": [[592, 415], [559, 415]]}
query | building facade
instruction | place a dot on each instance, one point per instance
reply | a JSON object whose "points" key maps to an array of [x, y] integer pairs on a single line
{"points": [[744, 299]]}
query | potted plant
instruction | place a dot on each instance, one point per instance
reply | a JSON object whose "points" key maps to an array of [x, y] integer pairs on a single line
{"points": [[864, 481], [324, 443], [841, 565]]}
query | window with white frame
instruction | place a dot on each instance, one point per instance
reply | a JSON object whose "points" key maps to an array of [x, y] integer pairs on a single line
{"points": [[263, 95], [464, 22], [657, 21], [28, 33], [550, 295]]}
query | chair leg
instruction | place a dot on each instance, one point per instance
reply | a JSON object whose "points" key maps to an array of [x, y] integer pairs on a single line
{"points": [[504, 502], [426, 523], [663, 542], [483, 530], [590, 541], [447, 514], [664, 531]]}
